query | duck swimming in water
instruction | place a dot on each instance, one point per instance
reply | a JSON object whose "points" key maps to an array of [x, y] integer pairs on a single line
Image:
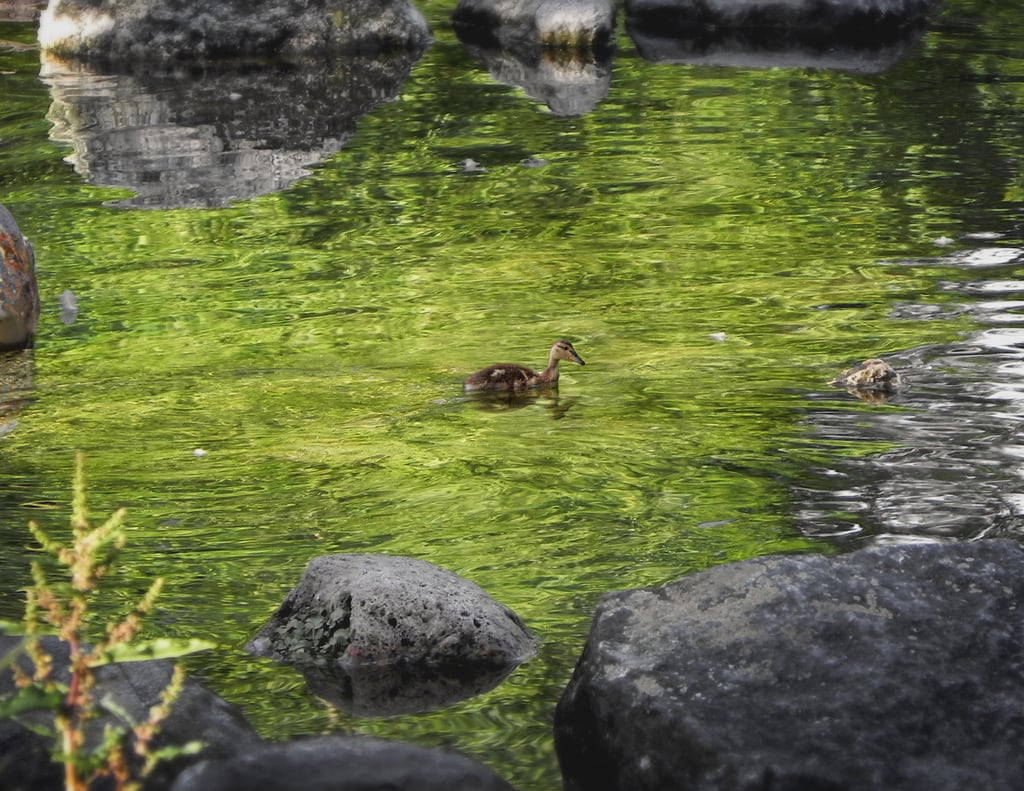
{"points": [[873, 374], [516, 378]]}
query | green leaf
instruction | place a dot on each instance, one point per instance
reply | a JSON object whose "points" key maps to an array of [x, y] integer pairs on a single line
{"points": [[115, 708], [173, 751], [31, 698], [160, 648]]}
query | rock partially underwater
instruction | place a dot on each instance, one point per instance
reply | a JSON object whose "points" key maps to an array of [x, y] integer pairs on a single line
{"points": [[120, 31], [891, 667], [202, 138], [19, 294], [559, 53], [427, 635]]}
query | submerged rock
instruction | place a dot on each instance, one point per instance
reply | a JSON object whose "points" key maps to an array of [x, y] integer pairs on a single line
{"points": [[151, 30], [333, 763], [202, 138], [350, 610], [19, 294], [197, 715], [891, 667]]}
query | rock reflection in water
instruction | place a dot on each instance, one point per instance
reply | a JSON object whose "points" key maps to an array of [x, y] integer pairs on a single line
{"points": [[15, 387], [204, 138], [387, 691], [661, 38], [956, 465], [561, 60]]}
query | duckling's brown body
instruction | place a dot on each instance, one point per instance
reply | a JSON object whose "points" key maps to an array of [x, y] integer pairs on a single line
{"points": [[505, 377], [19, 295], [873, 374]]}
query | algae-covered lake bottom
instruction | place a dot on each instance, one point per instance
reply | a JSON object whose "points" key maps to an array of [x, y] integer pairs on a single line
{"points": [[716, 242]]}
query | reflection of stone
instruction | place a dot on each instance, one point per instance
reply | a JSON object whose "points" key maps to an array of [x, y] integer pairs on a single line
{"points": [[154, 30], [182, 139], [836, 35], [390, 690], [559, 53], [19, 294]]}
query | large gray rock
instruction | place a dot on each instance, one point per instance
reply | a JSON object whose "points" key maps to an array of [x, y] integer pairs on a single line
{"points": [[149, 30], [351, 610], [19, 294], [332, 763], [135, 687], [896, 667]]}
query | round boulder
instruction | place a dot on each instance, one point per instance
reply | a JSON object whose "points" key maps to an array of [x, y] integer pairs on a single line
{"points": [[354, 609], [896, 667]]}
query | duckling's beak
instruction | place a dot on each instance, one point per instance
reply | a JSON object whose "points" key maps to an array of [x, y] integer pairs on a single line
{"points": [[577, 359]]}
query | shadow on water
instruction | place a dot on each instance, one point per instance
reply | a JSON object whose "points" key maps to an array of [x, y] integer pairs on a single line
{"points": [[944, 457], [205, 137]]}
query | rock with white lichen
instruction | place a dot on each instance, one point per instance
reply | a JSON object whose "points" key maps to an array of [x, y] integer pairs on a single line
{"points": [[155, 30]]}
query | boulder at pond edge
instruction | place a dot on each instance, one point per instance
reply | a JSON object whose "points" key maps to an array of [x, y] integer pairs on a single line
{"points": [[894, 667]]}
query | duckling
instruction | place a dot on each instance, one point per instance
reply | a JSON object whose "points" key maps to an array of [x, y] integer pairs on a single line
{"points": [[873, 374], [505, 376]]}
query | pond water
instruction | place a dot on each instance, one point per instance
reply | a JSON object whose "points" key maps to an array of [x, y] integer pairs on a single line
{"points": [[717, 241]]}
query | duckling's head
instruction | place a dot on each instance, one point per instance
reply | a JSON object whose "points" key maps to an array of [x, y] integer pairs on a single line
{"points": [[563, 350]]}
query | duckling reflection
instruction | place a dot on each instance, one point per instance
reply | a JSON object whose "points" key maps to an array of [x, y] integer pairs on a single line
{"points": [[873, 381], [548, 398]]}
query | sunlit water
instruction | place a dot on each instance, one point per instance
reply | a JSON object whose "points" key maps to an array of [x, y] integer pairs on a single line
{"points": [[717, 242]]}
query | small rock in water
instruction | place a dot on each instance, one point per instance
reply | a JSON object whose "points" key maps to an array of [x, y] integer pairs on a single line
{"points": [[717, 336], [472, 166], [943, 241], [984, 236], [199, 453], [534, 162], [68, 306]]}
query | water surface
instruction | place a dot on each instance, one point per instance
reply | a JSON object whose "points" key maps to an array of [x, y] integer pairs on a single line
{"points": [[718, 242]]}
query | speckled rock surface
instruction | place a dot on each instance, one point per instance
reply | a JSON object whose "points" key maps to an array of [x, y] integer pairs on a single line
{"points": [[154, 30], [333, 763], [19, 294], [898, 667], [198, 714], [352, 608]]}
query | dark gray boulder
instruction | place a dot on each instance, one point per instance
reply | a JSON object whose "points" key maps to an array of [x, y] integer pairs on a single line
{"points": [[197, 715], [333, 763], [19, 294], [353, 610], [156, 30], [898, 667]]}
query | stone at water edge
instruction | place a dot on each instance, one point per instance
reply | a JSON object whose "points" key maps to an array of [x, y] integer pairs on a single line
{"points": [[897, 667], [364, 608], [334, 763], [19, 294], [197, 715], [124, 31]]}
